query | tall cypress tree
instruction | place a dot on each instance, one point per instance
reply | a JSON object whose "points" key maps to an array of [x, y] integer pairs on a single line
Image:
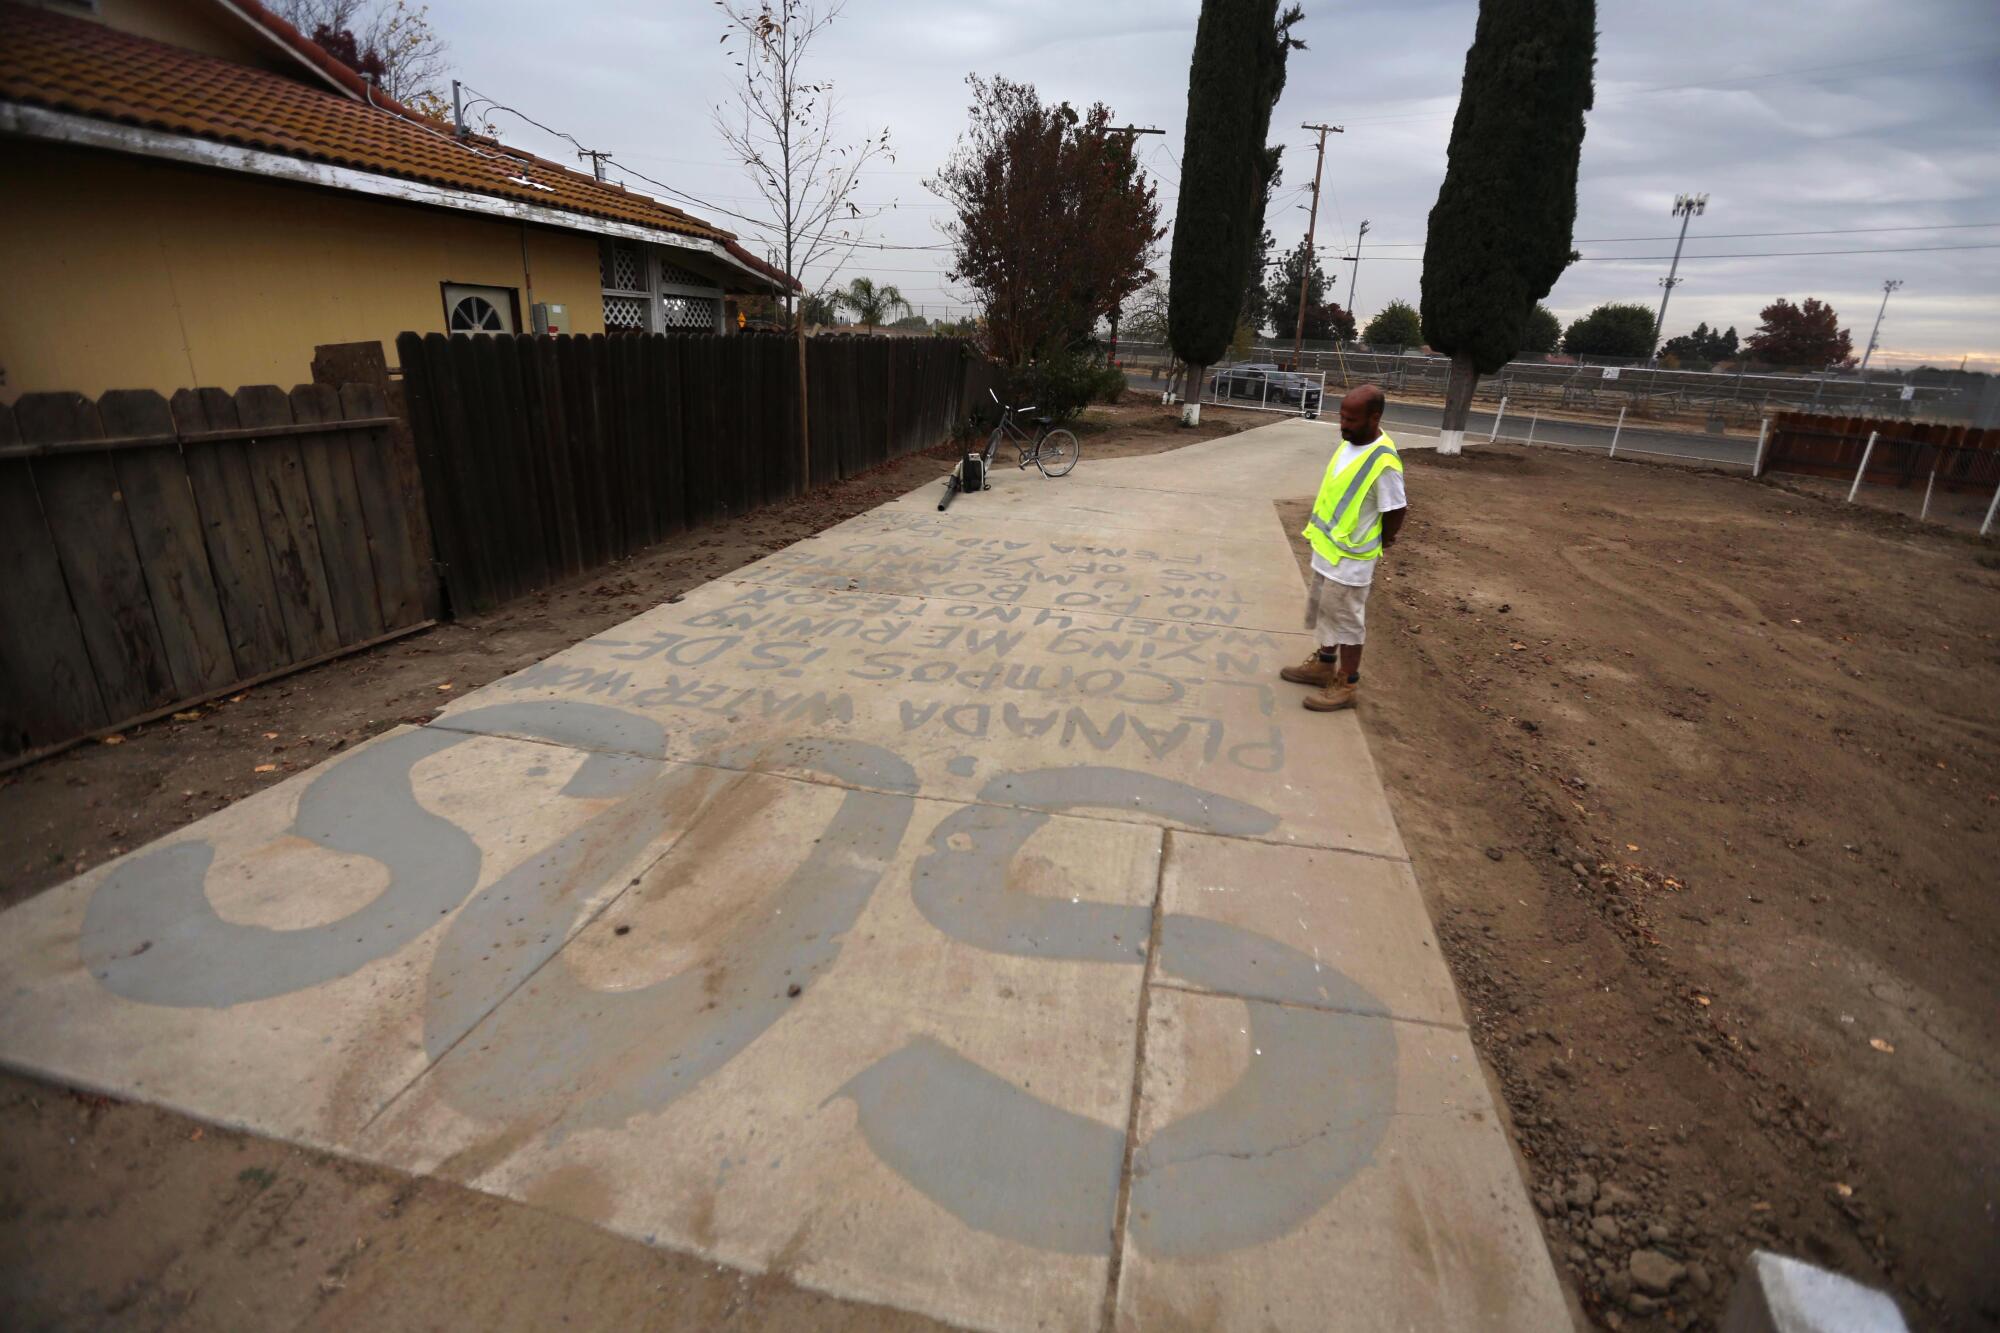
{"points": [[1234, 80], [1500, 230]]}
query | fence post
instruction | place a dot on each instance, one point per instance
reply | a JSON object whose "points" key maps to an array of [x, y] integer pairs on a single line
{"points": [[1988, 524], [805, 417], [1763, 434], [1926, 512], [1498, 417], [1533, 421], [1615, 432], [1866, 452]]}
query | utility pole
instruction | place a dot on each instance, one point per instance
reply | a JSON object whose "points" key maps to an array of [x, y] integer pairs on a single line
{"points": [[596, 160], [1686, 206], [1354, 273], [1887, 287], [1130, 132], [1312, 223]]}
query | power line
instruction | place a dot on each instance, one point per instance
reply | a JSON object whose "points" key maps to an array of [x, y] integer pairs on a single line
{"points": [[1739, 254], [1745, 235], [600, 160], [1708, 85], [1791, 254]]}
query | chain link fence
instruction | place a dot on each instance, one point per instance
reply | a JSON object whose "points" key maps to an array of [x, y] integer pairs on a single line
{"points": [[1589, 388]]}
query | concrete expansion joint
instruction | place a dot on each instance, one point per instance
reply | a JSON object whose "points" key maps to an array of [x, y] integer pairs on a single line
{"points": [[1122, 1210]]}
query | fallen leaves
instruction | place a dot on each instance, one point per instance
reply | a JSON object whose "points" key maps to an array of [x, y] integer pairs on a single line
{"points": [[265, 768], [113, 739], [192, 715], [1883, 1046]]}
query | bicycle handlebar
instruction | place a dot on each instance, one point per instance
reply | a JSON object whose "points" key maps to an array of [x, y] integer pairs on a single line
{"points": [[1004, 408]]}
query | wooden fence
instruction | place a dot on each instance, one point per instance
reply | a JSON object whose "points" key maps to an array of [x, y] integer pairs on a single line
{"points": [[156, 553], [544, 457], [1906, 452]]}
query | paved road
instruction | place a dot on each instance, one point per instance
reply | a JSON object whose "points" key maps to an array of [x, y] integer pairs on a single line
{"points": [[1651, 443], [1584, 435], [952, 911]]}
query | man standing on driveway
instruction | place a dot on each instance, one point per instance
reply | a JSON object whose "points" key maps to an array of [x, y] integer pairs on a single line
{"points": [[1360, 510]]}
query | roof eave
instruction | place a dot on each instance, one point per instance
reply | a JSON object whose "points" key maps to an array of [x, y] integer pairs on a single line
{"points": [[80, 131]]}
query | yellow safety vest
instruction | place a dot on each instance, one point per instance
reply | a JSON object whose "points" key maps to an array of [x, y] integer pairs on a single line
{"points": [[1336, 513]]}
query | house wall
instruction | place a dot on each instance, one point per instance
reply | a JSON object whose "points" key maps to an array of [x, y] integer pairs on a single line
{"points": [[125, 273]]}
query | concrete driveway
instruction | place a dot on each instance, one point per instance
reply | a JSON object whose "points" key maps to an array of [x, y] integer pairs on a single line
{"points": [[952, 911]]}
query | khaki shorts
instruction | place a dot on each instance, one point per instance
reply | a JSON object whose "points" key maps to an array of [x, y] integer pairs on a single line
{"points": [[1337, 613]]}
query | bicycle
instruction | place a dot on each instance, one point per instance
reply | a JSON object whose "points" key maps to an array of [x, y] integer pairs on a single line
{"points": [[1051, 449]]}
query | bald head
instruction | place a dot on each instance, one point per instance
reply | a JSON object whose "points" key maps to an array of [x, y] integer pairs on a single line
{"points": [[1361, 414]]}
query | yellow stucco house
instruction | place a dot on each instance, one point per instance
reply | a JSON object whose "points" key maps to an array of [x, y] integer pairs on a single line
{"points": [[195, 194]]}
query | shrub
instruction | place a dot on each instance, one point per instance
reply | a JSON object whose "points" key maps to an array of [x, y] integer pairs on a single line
{"points": [[1395, 325], [1612, 329], [1062, 385]]}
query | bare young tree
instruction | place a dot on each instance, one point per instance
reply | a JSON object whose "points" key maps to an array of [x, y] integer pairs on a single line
{"points": [[781, 126], [386, 40]]}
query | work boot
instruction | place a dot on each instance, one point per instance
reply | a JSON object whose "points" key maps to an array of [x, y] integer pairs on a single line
{"points": [[1312, 671], [1335, 696]]}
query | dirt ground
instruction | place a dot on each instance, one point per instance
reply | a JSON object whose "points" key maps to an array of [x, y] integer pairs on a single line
{"points": [[120, 1216], [1701, 779]]}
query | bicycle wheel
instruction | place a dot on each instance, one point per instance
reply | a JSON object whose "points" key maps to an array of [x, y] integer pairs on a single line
{"points": [[1057, 454]]}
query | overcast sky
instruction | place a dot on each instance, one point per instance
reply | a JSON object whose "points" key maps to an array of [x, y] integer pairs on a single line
{"points": [[1874, 122]]}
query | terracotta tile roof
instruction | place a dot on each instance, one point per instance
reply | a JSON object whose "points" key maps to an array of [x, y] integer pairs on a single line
{"points": [[76, 65]]}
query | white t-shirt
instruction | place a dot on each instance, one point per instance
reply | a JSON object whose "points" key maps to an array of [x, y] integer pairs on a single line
{"points": [[1385, 495]]}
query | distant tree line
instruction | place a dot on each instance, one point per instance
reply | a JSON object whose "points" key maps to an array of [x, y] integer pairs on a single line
{"points": [[1803, 336]]}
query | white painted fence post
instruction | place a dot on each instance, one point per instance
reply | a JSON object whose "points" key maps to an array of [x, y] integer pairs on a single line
{"points": [[1763, 434], [1867, 451], [1498, 417], [1926, 512], [1988, 524], [1615, 430], [1533, 421]]}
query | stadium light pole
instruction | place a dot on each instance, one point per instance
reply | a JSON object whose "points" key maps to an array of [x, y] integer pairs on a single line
{"points": [[1354, 274], [1686, 206], [1891, 285]]}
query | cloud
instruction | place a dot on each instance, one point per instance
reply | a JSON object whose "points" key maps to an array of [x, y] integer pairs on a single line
{"points": [[1859, 118]]}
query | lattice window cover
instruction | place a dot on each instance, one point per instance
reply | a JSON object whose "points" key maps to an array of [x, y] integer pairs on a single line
{"points": [[623, 268], [672, 273], [625, 313], [688, 312]]}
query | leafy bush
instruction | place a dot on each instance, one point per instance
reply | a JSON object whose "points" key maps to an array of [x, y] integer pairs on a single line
{"points": [[1395, 325], [1542, 333], [1612, 329], [1062, 385]]}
